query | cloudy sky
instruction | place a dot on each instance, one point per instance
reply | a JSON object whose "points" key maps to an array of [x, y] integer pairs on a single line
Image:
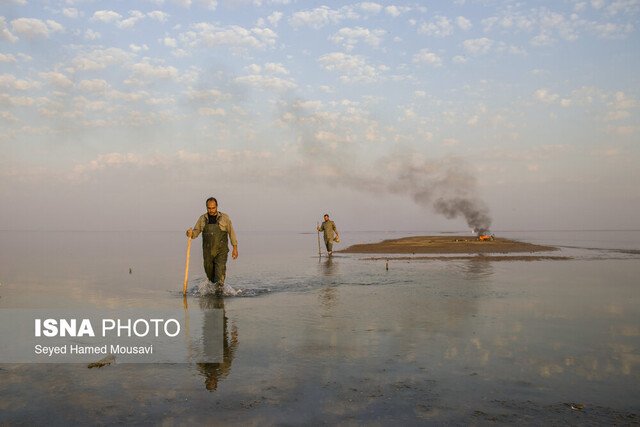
{"points": [[126, 115]]}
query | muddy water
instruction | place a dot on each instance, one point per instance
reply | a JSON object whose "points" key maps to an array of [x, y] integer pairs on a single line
{"points": [[342, 340]]}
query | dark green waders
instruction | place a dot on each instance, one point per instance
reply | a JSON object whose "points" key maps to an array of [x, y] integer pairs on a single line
{"points": [[329, 244], [215, 250]]}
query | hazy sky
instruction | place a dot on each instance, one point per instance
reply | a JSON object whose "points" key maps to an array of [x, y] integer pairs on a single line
{"points": [[127, 114]]}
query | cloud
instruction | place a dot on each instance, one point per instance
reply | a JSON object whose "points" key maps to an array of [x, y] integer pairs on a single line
{"points": [[144, 73], [106, 16], [616, 115], [440, 27], [82, 104], [392, 10], [99, 59], [169, 42], [339, 61], [158, 15], [111, 160], [273, 83], [275, 68], [136, 48], [7, 58], [15, 101], [54, 26], [321, 16], [580, 6], [9, 117], [629, 7], [168, 100], [34, 29], [128, 97], [510, 19], [210, 36], [543, 95], [450, 142], [57, 80], [10, 82], [463, 23], [372, 8], [428, 58], [396, 11], [582, 97], [183, 161], [91, 35], [135, 16], [623, 130], [477, 46], [275, 18], [207, 4], [354, 67], [556, 22], [208, 96], [111, 17], [623, 101], [93, 85], [70, 12], [207, 111], [609, 30], [5, 34], [350, 37], [549, 24]]}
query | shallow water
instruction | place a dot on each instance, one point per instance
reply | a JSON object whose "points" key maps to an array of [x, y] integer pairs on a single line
{"points": [[342, 340]]}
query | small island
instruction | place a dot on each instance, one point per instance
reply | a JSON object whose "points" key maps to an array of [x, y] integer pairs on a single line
{"points": [[447, 245]]}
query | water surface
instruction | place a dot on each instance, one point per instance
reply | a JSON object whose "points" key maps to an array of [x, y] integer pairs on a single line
{"points": [[342, 340]]}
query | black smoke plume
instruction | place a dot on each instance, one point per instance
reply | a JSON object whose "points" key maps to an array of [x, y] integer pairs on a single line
{"points": [[447, 185]]}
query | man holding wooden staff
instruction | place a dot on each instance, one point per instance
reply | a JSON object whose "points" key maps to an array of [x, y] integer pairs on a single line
{"points": [[329, 228], [216, 231]]}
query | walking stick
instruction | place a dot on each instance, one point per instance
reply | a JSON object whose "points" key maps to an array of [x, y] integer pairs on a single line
{"points": [[319, 251], [186, 268]]}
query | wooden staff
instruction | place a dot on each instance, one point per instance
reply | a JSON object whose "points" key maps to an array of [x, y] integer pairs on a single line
{"points": [[186, 268], [319, 251]]}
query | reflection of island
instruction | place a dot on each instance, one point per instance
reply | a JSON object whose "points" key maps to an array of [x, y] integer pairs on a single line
{"points": [[475, 270], [215, 372]]}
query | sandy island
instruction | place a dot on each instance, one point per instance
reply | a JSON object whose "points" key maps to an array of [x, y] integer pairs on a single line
{"points": [[440, 245]]}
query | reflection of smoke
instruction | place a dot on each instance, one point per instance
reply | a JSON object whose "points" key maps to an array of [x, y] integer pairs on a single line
{"points": [[445, 185]]}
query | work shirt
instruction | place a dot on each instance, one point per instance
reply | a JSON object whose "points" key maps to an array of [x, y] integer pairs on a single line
{"points": [[223, 222], [329, 228]]}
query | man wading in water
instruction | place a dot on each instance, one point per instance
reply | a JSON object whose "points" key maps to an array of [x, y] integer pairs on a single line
{"points": [[329, 227], [216, 229]]}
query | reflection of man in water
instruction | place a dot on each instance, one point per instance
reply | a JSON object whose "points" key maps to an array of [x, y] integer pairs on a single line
{"points": [[327, 268], [216, 230], [329, 228], [216, 372]]}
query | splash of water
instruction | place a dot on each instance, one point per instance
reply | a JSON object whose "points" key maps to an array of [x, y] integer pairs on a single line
{"points": [[206, 287]]}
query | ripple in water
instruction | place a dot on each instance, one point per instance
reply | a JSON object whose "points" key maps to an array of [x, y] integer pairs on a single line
{"points": [[206, 287]]}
